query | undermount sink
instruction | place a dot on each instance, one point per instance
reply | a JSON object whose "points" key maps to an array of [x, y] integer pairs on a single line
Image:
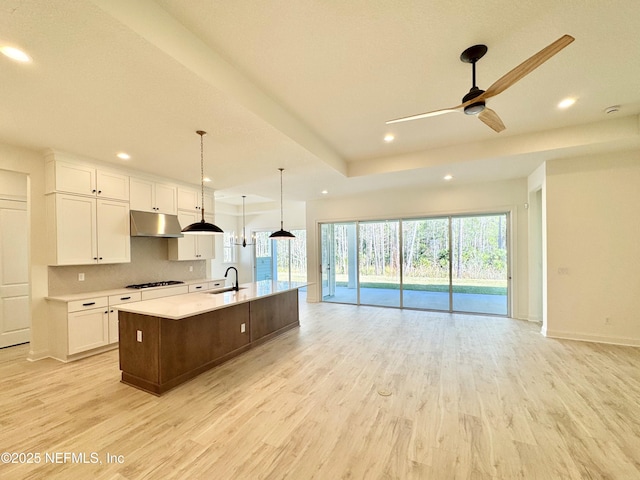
{"points": [[225, 290]]}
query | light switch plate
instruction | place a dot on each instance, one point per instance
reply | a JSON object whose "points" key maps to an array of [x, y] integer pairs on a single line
{"points": [[139, 335]]}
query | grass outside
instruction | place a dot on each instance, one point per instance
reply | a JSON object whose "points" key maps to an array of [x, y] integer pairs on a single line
{"points": [[477, 289]]}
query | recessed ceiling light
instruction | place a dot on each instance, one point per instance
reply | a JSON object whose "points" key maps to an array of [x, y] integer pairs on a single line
{"points": [[324, 192], [123, 156], [206, 179], [566, 103], [389, 137], [448, 177], [15, 54]]}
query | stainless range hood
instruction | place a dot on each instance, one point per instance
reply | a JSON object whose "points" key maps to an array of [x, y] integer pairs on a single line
{"points": [[147, 224]]}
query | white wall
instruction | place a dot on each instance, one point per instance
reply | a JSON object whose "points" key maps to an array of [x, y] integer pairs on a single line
{"points": [[593, 248], [508, 196], [30, 162]]}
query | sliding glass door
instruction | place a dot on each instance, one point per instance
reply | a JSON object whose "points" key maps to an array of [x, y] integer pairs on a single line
{"points": [[379, 266], [425, 263], [282, 260], [339, 262], [479, 264], [453, 263]]}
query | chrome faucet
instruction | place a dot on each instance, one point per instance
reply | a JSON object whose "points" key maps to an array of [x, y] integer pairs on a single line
{"points": [[236, 287]]}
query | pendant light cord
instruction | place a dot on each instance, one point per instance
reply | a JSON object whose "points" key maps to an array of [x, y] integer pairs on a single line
{"points": [[202, 134], [281, 208]]}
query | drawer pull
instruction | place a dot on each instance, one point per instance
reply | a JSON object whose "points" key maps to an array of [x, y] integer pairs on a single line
{"points": [[125, 298], [88, 304], [200, 286]]}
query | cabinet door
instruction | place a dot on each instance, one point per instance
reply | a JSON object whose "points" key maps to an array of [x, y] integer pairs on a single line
{"points": [[141, 195], [113, 326], [184, 248], [188, 199], [114, 242], [88, 329], [75, 230], [166, 199], [112, 185], [209, 203], [205, 244], [72, 178]]}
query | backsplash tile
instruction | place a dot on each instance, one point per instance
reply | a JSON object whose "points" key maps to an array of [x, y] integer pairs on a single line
{"points": [[149, 263]]}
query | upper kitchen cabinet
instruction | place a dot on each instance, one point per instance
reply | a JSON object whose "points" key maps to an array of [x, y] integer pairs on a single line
{"points": [[191, 200], [84, 231], [83, 179], [192, 247], [149, 196]]}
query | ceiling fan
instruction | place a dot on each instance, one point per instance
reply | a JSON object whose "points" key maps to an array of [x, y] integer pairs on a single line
{"points": [[473, 103]]}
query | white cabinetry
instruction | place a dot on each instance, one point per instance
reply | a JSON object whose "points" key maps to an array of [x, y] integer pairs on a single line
{"points": [[88, 329], [149, 196], [192, 247], [114, 301], [82, 179], [85, 230], [78, 326], [191, 200]]}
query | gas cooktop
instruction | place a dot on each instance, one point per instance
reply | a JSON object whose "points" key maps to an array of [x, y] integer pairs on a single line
{"points": [[155, 284]]}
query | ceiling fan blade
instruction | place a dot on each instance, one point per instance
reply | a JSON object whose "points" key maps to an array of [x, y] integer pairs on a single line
{"points": [[491, 118], [527, 66], [425, 115]]}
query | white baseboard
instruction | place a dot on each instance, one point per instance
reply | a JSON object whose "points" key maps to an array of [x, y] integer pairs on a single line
{"points": [[587, 337]]}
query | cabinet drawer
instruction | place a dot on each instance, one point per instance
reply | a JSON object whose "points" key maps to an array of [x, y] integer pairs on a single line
{"points": [[217, 284], [164, 292], [198, 287], [87, 303], [125, 298]]}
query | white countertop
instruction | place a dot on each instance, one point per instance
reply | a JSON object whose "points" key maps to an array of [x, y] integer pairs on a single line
{"points": [[181, 306]]}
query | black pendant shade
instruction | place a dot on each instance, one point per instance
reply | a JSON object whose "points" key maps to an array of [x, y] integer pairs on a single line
{"points": [[202, 227], [281, 234]]}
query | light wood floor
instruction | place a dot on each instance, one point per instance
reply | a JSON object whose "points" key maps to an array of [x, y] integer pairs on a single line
{"points": [[471, 397]]}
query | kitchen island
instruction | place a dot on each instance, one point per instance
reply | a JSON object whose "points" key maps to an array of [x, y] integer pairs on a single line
{"points": [[167, 341]]}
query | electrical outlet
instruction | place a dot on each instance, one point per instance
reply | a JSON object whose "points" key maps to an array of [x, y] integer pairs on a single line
{"points": [[139, 335], [81, 277], [243, 328], [191, 268]]}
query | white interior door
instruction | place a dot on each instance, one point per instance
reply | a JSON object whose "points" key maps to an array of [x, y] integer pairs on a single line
{"points": [[15, 316]]}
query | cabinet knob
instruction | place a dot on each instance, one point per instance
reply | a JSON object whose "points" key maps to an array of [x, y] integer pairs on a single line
{"points": [[93, 191], [99, 192], [100, 258], [95, 258]]}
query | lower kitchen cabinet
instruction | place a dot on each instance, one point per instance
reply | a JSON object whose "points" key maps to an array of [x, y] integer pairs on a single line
{"points": [[88, 330], [87, 326]]}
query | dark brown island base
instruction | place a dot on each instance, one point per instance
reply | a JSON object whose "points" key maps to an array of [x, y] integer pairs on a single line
{"points": [[165, 342]]}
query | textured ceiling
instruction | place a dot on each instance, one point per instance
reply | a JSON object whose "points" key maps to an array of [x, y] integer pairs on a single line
{"points": [[308, 86]]}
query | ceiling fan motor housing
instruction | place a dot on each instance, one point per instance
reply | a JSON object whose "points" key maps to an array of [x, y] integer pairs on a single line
{"points": [[474, 108]]}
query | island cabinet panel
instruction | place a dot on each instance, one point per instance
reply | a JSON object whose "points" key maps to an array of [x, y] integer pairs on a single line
{"points": [[140, 359], [195, 344], [273, 315]]}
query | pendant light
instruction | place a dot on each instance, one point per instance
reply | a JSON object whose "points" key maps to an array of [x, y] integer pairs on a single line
{"points": [[202, 227], [281, 234], [244, 235]]}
